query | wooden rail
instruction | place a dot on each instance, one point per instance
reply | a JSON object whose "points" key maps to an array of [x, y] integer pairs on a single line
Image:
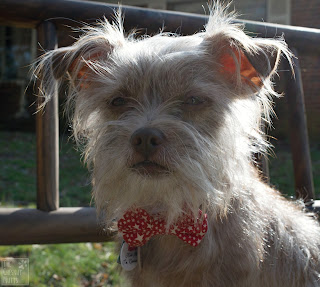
{"points": [[51, 224], [31, 13], [30, 226]]}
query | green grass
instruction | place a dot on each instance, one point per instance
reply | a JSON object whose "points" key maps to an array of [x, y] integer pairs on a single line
{"points": [[17, 176], [65, 265], [68, 265], [18, 171], [281, 168], [86, 264]]}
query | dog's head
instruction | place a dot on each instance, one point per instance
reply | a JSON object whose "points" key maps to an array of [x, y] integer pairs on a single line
{"points": [[169, 122]]}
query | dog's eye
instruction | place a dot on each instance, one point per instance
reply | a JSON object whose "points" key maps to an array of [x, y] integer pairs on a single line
{"points": [[193, 100], [119, 101]]}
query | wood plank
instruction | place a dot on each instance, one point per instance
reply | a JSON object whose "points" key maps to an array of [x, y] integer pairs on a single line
{"points": [[299, 142], [32, 12], [47, 136], [66, 225]]}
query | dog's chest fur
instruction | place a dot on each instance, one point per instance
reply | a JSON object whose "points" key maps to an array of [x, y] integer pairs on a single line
{"points": [[250, 252]]}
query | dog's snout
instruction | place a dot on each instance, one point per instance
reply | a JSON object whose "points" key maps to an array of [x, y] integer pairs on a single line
{"points": [[147, 140]]}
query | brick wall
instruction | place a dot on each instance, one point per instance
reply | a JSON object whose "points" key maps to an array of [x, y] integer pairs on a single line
{"points": [[307, 13]]}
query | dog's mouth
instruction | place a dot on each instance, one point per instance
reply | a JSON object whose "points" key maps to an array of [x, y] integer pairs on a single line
{"points": [[150, 168]]}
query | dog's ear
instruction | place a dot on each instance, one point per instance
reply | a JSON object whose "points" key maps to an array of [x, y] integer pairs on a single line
{"points": [[237, 69], [265, 56], [78, 61], [245, 62], [81, 61]]}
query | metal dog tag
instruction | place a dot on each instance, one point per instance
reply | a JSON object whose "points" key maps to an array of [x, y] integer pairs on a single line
{"points": [[128, 258]]}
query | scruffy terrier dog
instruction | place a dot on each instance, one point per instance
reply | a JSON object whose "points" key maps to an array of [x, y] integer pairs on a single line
{"points": [[169, 126]]}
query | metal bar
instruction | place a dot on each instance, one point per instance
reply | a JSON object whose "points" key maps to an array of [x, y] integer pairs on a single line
{"points": [[47, 136], [66, 225], [32, 12], [299, 133]]}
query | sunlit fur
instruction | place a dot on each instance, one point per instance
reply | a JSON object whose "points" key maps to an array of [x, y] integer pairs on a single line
{"points": [[255, 237]]}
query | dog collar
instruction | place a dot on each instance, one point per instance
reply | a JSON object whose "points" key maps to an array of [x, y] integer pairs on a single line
{"points": [[137, 227]]}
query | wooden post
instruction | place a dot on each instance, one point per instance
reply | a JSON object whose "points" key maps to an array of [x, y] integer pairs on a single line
{"points": [[299, 133], [47, 136]]}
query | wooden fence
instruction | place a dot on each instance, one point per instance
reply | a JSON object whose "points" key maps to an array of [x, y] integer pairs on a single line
{"points": [[51, 224]]}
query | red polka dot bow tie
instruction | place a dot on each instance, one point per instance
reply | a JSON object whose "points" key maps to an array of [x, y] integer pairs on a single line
{"points": [[137, 227]]}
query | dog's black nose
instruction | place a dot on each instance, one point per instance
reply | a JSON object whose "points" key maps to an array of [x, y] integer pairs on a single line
{"points": [[147, 140]]}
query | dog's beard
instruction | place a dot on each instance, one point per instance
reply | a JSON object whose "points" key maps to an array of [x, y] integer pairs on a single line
{"points": [[170, 195], [187, 182]]}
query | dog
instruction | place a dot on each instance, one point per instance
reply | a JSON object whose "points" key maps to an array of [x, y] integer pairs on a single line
{"points": [[169, 125]]}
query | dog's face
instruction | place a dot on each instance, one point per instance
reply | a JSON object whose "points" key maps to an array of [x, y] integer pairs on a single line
{"points": [[166, 120]]}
